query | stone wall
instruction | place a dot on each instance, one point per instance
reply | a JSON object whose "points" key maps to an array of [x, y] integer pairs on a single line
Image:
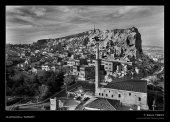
{"points": [[127, 97]]}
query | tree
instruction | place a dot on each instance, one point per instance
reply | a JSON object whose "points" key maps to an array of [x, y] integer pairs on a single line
{"points": [[10, 72], [30, 88], [8, 91], [69, 79], [43, 91], [35, 80], [53, 80], [41, 80], [9, 82], [59, 80], [18, 91], [9, 63], [154, 80], [18, 79], [44, 78]]}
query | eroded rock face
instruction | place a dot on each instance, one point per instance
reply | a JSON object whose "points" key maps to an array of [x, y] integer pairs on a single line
{"points": [[123, 43]]}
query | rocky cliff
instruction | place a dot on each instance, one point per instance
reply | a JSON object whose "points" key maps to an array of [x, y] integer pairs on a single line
{"points": [[122, 43]]}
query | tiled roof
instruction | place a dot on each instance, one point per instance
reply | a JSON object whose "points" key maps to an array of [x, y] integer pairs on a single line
{"points": [[100, 103], [80, 106], [114, 103], [129, 85]]}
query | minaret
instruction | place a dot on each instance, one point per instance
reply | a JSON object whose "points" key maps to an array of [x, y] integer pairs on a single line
{"points": [[97, 66]]}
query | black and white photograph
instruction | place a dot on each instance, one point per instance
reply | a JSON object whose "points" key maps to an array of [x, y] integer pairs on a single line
{"points": [[84, 58]]}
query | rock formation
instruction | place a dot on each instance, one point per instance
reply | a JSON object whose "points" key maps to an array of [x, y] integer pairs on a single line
{"points": [[123, 43]]}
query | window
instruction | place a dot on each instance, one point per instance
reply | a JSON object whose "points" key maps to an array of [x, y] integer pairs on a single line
{"points": [[139, 99], [129, 94], [119, 95], [102, 94], [99, 94], [109, 91], [106, 95], [112, 95]]}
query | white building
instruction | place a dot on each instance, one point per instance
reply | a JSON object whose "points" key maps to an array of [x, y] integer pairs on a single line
{"points": [[71, 62], [45, 67], [155, 59], [53, 104], [53, 68], [124, 91], [34, 70], [36, 51]]}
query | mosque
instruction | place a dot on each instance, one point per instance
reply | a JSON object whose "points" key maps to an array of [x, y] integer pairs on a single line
{"points": [[129, 92]]}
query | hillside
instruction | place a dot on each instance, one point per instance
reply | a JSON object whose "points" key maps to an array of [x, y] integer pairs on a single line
{"points": [[123, 43], [10, 51]]}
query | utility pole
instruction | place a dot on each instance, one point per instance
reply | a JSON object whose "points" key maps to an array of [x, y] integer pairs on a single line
{"points": [[66, 87], [154, 98], [154, 104], [66, 91], [37, 101]]}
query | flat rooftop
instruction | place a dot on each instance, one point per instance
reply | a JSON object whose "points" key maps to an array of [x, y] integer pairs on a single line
{"points": [[120, 61]]}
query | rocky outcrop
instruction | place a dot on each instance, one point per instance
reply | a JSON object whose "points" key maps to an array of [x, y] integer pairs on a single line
{"points": [[41, 42], [127, 42], [123, 43]]}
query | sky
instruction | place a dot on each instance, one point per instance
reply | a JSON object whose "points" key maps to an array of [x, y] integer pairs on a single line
{"points": [[27, 24]]}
